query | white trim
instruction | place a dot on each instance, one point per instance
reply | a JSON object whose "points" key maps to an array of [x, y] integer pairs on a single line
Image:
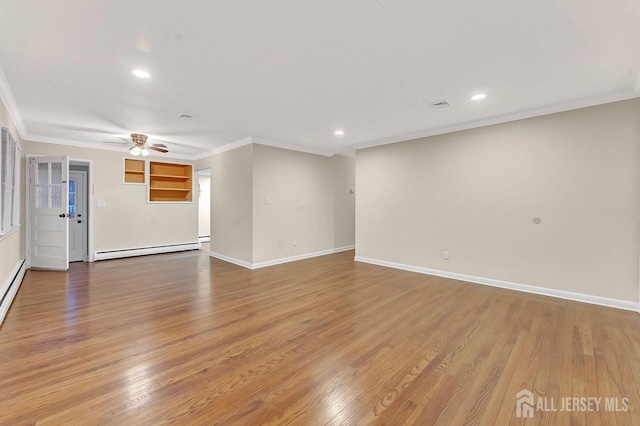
{"points": [[223, 148], [561, 294], [273, 262], [300, 257], [90, 201], [535, 112], [228, 259], [274, 144], [94, 145], [142, 251], [9, 101], [10, 232], [204, 239], [14, 277]]}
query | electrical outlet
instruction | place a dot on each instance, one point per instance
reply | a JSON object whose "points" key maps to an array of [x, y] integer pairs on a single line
{"points": [[446, 255], [295, 243]]}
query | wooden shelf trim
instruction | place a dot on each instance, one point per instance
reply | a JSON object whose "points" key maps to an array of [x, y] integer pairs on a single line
{"points": [[170, 176], [141, 172], [170, 189]]}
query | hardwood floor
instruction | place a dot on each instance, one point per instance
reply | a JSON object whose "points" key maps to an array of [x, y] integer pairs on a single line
{"points": [[193, 340]]}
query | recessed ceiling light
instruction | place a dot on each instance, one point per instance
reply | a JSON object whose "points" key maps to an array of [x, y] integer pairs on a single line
{"points": [[478, 97], [339, 132], [141, 73]]}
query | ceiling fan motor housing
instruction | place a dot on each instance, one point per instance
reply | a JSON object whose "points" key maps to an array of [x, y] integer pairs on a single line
{"points": [[138, 139]]}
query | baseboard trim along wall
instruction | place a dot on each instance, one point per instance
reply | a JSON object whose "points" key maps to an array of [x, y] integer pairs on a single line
{"points": [[10, 288], [142, 251], [543, 291], [204, 239], [273, 262]]}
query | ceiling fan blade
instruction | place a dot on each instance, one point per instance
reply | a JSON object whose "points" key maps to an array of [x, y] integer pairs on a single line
{"points": [[124, 139], [155, 148], [159, 145], [116, 143]]}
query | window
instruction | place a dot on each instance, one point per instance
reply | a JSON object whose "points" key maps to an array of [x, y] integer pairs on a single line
{"points": [[72, 199], [9, 182]]}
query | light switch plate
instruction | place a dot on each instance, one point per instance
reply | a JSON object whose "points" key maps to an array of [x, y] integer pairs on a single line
{"points": [[102, 203], [267, 200]]}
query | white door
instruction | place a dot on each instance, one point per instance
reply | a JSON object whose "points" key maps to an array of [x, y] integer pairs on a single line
{"points": [[77, 215], [49, 211]]}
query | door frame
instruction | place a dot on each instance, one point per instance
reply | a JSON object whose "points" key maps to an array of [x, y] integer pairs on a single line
{"points": [[85, 196], [90, 195]]}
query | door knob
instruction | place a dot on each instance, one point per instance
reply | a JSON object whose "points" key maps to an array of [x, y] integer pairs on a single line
{"points": [[79, 221], [62, 215]]}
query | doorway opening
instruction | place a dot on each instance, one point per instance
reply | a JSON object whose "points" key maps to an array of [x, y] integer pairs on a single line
{"points": [[78, 212], [204, 208]]}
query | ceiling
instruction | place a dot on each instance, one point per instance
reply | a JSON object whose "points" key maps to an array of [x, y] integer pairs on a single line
{"points": [[294, 71]]}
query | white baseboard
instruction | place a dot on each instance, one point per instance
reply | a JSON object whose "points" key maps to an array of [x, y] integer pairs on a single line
{"points": [[141, 251], [578, 297], [238, 262], [281, 260], [204, 239], [10, 288], [300, 257]]}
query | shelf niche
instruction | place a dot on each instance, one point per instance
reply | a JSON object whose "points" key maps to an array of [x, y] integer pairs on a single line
{"points": [[170, 182], [134, 171]]}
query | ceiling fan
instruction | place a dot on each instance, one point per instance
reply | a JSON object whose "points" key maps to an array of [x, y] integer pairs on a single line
{"points": [[140, 145]]}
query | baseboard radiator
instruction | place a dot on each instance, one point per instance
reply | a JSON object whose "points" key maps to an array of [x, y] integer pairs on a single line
{"points": [[143, 251], [10, 288]]}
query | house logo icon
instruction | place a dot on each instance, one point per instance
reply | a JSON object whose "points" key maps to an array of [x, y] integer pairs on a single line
{"points": [[524, 404]]}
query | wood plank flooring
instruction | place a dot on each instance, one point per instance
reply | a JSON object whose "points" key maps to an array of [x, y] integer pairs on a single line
{"points": [[187, 339]]}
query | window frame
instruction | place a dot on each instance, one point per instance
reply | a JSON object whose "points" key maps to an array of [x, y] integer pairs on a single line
{"points": [[13, 185]]}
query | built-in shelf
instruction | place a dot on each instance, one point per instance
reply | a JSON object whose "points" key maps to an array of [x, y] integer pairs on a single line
{"points": [[134, 171], [170, 176], [170, 182]]}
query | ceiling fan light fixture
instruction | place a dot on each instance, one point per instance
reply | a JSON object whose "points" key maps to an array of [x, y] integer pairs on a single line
{"points": [[144, 152], [135, 151]]}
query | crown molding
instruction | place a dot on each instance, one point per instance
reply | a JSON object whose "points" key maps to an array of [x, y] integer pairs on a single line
{"points": [[275, 144], [9, 101], [6, 96], [228, 147], [622, 95], [91, 145]]}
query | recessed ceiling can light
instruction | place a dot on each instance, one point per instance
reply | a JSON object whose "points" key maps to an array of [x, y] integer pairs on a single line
{"points": [[339, 132], [478, 97], [141, 73]]}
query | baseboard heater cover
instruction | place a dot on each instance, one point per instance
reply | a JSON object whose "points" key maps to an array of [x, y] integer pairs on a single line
{"points": [[10, 289], [143, 251]]}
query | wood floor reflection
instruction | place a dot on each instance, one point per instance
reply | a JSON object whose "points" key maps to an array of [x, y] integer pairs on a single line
{"points": [[189, 339]]}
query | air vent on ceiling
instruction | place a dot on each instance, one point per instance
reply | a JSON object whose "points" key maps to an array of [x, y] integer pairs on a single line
{"points": [[441, 104], [185, 116]]}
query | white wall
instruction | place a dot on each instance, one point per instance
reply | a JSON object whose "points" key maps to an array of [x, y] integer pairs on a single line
{"points": [[231, 202], [474, 193], [12, 247], [204, 206], [310, 203], [127, 221]]}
